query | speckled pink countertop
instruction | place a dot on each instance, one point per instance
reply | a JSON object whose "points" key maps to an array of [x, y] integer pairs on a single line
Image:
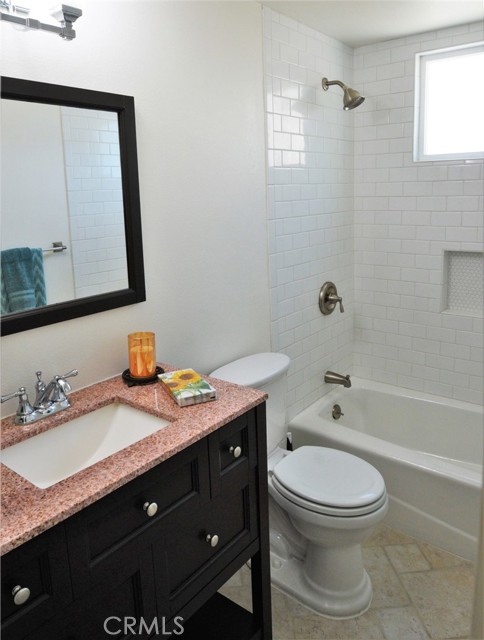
{"points": [[27, 511]]}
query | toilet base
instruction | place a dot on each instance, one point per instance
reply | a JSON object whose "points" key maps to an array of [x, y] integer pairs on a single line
{"points": [[289, 576]]}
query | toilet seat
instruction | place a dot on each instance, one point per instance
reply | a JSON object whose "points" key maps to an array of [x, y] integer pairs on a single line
{"points": [[329, 481]]}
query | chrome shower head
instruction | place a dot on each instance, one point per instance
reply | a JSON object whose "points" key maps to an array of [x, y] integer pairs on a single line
{"points": [[351, 97]]}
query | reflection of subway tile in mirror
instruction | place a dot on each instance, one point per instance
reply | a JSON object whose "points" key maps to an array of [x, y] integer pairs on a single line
{"points": [[94, 192], [70, 159]]}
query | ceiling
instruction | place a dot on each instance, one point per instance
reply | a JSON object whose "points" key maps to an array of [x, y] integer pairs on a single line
{"points": [[361, 22]]}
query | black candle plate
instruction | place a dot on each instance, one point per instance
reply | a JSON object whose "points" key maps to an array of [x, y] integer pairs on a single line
{"points": [[131, 381]]}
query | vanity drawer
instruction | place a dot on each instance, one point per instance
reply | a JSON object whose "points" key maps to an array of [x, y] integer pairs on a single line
{"points": [[40, 566], [186, 556], [233, 451], [101, 536]]}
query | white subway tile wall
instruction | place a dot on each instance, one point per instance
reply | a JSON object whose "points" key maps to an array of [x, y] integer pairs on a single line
{"points": [[407, 215], [95, 201], [310, 178], [348, 204]]}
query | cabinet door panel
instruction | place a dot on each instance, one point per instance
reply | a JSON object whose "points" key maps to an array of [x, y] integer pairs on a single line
{"points": [[189, 560], [233, 451], [129, 608], [40, 565], [123, 610], [101, 536]]}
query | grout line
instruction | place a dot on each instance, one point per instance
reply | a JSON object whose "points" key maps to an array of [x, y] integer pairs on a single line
{"points": [[412, 603]]}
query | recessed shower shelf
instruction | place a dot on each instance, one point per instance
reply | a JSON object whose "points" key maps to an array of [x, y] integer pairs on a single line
{"points": [[463, 282]]}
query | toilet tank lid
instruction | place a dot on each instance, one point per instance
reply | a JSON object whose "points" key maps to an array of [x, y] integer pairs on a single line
{"points": [[255, 370]]}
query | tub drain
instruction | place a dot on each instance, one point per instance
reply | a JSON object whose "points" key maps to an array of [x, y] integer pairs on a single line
{"points": [[337, 413]]}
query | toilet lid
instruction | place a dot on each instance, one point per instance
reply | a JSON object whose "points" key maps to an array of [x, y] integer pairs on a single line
{"points": [[329, 477]]}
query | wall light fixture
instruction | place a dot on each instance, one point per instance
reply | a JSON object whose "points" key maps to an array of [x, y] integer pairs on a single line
{"points": [[63, 13]]}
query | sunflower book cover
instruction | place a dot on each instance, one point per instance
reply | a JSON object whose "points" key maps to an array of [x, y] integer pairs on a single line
{"points": [[187, 387]]}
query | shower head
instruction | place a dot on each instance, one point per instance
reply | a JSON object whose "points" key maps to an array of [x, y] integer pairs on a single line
{"points": [[351, 97]]}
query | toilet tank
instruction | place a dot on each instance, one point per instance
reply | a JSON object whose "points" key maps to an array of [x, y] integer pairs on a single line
{"points": [[266, 372]]}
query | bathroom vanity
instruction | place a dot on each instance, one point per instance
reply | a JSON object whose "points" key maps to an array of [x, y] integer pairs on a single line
{"points": [[138, 544]]}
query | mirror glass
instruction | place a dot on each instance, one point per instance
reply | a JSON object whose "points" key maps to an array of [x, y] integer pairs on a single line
{"points": [[71, 230]]}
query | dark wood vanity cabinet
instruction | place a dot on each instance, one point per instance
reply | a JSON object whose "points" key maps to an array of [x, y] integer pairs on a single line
{"points": [[147, 560]]}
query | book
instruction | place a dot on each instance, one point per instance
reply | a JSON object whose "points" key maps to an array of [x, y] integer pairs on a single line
{"points": [[187, 387]]}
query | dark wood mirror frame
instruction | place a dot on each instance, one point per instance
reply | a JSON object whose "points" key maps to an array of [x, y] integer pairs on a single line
{"points": [[26, 90]]}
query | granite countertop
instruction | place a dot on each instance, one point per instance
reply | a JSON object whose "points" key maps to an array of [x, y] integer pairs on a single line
{"points": [[27, 511]]}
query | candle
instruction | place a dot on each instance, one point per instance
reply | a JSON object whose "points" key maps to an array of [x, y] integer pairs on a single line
{"points": [[141, 350]]}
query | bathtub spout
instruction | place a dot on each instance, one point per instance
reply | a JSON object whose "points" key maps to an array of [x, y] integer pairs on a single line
{"points": [[337, 378]]}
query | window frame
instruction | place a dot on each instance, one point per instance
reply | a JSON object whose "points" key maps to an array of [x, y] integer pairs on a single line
{"points": [[421, 59]]}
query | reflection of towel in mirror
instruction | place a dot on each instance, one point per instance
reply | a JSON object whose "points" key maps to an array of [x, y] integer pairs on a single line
{"points": [[22, 276]]}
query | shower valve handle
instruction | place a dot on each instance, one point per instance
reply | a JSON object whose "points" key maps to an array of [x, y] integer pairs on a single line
{"points": [[333, 298], [329, 298]]}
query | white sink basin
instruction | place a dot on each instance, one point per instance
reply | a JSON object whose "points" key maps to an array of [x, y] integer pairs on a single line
{"points": [[52, 456]]}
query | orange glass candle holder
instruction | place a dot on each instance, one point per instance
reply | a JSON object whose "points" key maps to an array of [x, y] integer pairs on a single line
{"points": [[142, 358]]}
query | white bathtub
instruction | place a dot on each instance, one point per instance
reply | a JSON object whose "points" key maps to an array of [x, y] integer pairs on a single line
{"points": [[428, 449]]}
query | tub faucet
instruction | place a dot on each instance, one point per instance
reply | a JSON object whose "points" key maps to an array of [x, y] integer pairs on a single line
{"points": [[337, 378]]}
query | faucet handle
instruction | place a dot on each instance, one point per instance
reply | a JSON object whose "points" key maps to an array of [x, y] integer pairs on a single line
{"points": [[70, 374], [62, 387], [24, 407], [15, 394]]}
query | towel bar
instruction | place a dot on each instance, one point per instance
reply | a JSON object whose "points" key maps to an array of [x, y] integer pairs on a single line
{"points": [[56, 247]]}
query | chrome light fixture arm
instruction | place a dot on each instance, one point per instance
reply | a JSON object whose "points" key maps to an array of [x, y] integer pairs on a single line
{"points": [[64, 13]]}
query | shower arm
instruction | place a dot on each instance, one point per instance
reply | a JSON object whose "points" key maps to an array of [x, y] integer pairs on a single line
{"points": [[327, 83]]}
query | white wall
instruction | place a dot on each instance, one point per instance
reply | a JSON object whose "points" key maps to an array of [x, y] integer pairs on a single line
{"points": [[310, 158], [195, 71], [406, 215]]}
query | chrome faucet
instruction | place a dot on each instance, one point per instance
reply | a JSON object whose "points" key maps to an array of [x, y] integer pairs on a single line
{"points": [[337, 378], [49, 398]]}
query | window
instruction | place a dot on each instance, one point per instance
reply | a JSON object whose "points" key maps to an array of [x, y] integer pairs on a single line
{"points": [[449, 99]]}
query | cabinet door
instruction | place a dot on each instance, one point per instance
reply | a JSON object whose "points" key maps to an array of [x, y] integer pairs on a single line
{"points": [[103, 537], [198, 548], [42, 567], [233, 451], [125, 609]]}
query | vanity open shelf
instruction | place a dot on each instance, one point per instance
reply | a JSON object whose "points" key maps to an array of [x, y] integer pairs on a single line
{"points": [[157, 548]]}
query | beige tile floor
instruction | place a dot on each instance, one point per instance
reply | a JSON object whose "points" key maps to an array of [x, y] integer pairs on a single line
{"points": [[419, 592]]}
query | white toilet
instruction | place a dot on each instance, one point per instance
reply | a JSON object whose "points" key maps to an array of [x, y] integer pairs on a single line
{"points": [[323, 503]]}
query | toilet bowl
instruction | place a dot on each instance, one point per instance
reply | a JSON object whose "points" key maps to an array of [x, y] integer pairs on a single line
{"points": [[333, 499], [323, 503]]}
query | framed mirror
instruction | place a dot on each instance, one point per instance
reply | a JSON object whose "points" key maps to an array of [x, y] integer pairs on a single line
{"points": [[71, 242]]}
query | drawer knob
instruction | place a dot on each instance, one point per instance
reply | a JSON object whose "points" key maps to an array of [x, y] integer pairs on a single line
{"points": [[212, 540], [20, 594], [235, 451], [151, 508]]}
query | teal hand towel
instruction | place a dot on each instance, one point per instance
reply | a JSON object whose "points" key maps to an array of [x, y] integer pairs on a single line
{"points": [[23, 281]]}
